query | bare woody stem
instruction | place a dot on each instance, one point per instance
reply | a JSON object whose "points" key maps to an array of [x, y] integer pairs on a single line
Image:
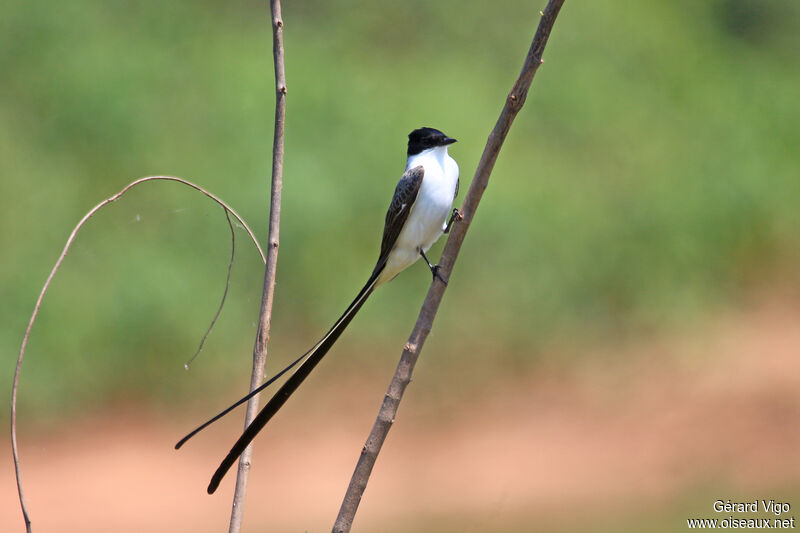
{"points": [[265, 316], [46, 286], [402, 377]]}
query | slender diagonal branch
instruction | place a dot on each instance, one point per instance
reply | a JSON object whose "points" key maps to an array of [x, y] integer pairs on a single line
{"points": [[265, 316], [40, 299], [391, 401]]}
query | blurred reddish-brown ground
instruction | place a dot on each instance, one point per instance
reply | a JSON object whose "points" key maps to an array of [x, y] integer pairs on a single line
{"points": [[559, 448]]}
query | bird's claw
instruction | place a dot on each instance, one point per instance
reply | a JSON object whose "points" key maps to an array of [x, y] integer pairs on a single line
{"points": [[455, 216], [436, 275]]}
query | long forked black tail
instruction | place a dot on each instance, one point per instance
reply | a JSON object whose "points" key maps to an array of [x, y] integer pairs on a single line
{"points": [[240, 401], [314, 356]]}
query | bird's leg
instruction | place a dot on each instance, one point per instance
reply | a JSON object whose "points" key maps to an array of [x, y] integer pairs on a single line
{"points": [[454, 217], [434, 268]]}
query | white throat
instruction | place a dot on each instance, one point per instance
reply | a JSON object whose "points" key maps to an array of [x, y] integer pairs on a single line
{"points": [[434, 155]]}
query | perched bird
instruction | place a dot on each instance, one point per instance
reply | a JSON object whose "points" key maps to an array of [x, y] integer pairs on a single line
{"points": [[417, 217]]}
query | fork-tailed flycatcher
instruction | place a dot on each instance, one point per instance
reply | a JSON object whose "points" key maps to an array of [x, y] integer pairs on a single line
{"points": [[417, 217]]}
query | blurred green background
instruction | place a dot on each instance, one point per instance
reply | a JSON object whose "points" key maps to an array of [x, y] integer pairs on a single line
{"points": [[650, 183], [651, 179]]}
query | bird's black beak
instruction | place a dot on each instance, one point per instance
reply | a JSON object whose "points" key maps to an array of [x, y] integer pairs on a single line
{"points": [[448, 140]]}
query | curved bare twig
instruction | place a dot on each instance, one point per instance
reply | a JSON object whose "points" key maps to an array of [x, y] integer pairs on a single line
{"points": [[70, 240], [224, 294], [402, 377]]}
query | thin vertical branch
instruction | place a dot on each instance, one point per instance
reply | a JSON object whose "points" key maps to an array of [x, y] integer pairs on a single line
{"points": [[265, 316], [402, 377]]}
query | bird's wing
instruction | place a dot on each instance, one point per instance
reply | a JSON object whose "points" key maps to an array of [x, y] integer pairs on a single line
{"points": [[403, 200]]}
